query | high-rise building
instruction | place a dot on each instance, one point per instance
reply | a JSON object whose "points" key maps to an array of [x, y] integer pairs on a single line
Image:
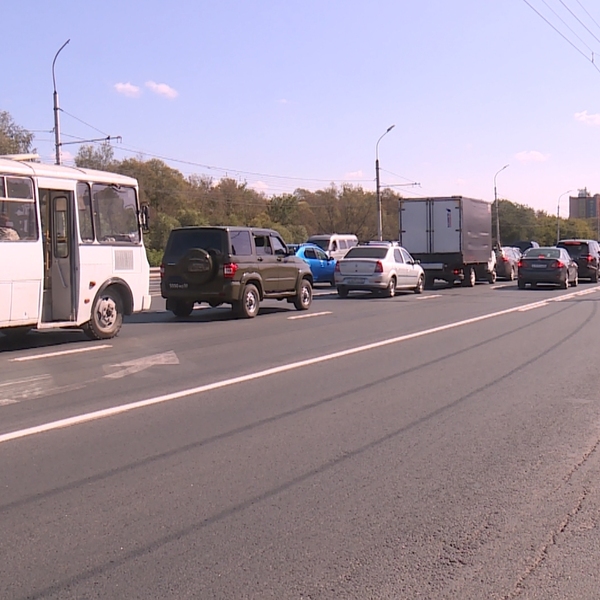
{"points": [[584, 206]]}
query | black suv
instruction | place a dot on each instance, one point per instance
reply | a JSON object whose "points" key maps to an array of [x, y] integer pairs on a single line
{"points": [[586, 253], [231, 265]]}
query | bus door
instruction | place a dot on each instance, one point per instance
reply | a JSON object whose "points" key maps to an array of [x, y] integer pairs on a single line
{"points": [[59, 255]]}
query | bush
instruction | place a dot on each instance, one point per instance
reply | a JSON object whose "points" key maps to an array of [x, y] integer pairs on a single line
{"points": [[154, 257]]}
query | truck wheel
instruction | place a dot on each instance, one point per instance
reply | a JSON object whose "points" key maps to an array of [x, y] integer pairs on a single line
{"points": [[107, 316], [303, 298], [470, 277]]}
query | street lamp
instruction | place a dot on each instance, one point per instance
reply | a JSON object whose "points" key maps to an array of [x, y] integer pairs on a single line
{"points": [[379, 218], [497, 207], [558, 215], [56, 108]]}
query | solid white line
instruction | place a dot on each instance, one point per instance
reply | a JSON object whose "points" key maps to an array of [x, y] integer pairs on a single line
{"points": [[429, 297], [61, 353], [309, 315], [116, 410]]}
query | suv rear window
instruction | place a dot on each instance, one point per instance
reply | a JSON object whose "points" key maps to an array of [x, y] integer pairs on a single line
{"points": [[182, 240], [575, 249]]}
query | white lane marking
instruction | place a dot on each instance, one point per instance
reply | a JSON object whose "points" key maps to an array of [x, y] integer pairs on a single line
{"points": [[16, 390], [429, 297], [141, 364], [309, 315], [61, 353], [501, 285], [116, 410]]}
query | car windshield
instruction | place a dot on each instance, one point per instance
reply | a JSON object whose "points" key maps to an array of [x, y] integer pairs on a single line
{"points": [[542, 253], [183, 240], [367, 252], [321, 242], [575, 249]]}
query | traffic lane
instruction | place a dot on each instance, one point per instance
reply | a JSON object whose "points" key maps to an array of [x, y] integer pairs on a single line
{"points": [[83, 383], [171, 353], [393, 475]]}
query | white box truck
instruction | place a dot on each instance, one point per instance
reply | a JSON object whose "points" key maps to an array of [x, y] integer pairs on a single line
{"points": [[450, 236]]}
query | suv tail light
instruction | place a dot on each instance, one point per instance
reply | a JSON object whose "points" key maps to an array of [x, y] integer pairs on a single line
{"points": [[378, 267], [162, 270], [229, 270], [589, 258]]}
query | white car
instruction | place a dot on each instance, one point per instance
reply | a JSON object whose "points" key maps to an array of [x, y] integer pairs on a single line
{"points": [[378, 267]]}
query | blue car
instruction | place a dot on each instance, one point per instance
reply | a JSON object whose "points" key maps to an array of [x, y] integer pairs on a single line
{"points": [[321, 265]]}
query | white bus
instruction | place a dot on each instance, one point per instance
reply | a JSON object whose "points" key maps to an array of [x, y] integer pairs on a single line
{"points": [[71, 251]]}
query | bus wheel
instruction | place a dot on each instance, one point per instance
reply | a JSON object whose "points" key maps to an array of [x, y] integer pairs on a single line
{"points": [[107, 316]]}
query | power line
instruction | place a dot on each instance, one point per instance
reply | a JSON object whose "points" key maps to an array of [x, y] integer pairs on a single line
{"points": [[588, 14], [563, 36], [580, 22]]}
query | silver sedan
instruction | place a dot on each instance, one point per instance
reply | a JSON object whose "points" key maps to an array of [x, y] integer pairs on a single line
{"points": [[382, 268]]}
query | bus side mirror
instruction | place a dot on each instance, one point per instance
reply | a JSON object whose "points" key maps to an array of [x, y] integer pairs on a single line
{"points": [[145, 218]]}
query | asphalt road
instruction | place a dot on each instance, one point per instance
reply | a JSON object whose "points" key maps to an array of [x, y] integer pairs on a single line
{"points": [[434, 446]]}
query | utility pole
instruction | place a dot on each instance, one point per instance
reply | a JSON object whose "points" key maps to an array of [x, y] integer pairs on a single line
{"points": [[497, 208], [57, 109], [379, 215]]}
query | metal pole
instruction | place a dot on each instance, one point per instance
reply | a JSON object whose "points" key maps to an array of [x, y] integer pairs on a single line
{"points": [[498, 244], [57, 109], [558, 215], [378, 191]]}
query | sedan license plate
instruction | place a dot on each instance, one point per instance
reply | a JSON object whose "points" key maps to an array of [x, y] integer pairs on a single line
{"points": [[539, 266], [355, 280]]}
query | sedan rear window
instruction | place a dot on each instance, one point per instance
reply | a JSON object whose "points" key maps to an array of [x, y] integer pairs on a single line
{"points": [[367, 252], [542, 253]]}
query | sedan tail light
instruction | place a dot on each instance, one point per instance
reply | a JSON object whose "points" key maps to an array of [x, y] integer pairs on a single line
{"points": [[378, 267], [337, 267], [520, 264], [559, 264]]}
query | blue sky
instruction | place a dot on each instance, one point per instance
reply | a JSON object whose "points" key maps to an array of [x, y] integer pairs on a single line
{"points": [[296, 93]]}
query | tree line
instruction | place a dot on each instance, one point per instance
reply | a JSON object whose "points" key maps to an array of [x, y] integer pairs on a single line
{"points": [[175, 200]]}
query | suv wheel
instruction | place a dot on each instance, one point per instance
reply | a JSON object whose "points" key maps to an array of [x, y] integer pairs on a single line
{"points": [[249, 302], [303, 298], [183, 308], [594, 277]]}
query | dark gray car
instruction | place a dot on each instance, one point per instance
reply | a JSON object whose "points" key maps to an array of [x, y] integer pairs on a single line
{"points": [[240, 266]]}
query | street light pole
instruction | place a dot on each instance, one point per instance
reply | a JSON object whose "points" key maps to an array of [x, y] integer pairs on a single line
{"points": [[558, 215], [497, 208], [56, 108], [379, 216]]}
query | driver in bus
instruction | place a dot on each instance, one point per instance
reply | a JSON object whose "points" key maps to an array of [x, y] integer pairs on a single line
{"points": [[7, 232]]}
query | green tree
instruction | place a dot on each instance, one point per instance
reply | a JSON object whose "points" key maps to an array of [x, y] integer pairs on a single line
{"points": [[13, 138], [100, 157]]}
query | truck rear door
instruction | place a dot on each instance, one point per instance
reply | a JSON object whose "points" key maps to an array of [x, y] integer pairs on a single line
{"points": [[414, 226], [445, 226]]}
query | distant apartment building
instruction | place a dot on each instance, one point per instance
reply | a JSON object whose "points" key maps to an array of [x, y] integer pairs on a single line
{"points": [[584, 206]]}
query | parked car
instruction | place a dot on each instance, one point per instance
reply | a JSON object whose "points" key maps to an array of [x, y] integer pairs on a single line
{"points": [[382, 267], [334, 244], [507, 262], [587, 255], [240, 266], [321, 265], [547, 265]]}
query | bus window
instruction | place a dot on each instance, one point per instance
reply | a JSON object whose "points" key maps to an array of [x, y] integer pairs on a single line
{"points": [[115, 214], [61, 227], [17, 209], [84, 210]]}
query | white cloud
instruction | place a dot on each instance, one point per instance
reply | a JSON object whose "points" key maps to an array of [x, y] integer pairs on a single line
{"points": [[583, 116], [461, 182], [354, 175], [128, 89], [282, 101], [531, 156], [259, 186], [162, 89]]}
